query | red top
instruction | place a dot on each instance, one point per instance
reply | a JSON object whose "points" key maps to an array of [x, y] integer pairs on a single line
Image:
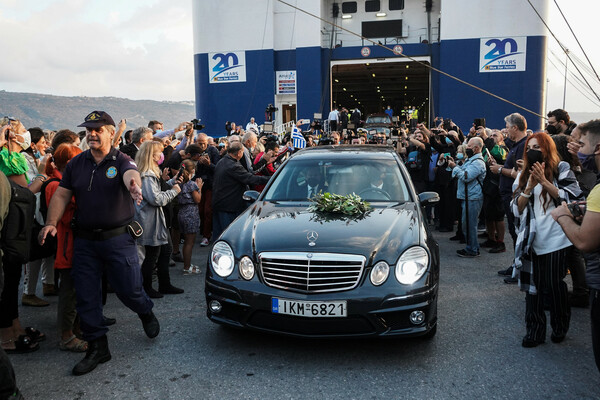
{"points": [[64, 248]]}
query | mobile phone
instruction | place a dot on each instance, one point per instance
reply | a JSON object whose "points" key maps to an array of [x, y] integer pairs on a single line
{"points": [[479, 122], [181, 169]]}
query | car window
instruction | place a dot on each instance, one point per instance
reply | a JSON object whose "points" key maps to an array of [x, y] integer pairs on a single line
{"points": [[373, 180], [379, 120]]}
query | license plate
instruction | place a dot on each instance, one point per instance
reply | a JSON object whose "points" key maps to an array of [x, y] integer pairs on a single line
{"points": [[315, 309]]}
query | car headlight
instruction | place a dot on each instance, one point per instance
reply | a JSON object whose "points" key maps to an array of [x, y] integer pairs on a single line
{"points": [[379, 273], [222, 259], [411, 265], [246, 268]]}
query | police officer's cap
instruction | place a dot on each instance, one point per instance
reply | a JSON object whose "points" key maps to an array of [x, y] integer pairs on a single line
{"points": [[96, 119]]}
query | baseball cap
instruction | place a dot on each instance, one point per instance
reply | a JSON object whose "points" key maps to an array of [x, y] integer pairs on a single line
{"points": [[96, 119]]}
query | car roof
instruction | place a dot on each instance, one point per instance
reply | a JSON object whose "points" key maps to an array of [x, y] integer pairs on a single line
{"points": [[344, 151]]}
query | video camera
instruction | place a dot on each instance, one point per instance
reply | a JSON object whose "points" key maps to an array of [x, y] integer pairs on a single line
{"points": [[197, 125], [271, 108]]}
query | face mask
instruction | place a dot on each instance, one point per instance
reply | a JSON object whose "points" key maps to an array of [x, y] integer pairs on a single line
{"points": [[161, 159], [460, 156], [37, 154], [448, 141], [534, 156], [469, 153], [551, 129], [158, 131], [25, 141], [588, 161]]}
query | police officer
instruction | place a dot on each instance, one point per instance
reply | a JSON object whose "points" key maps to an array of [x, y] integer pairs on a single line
{"points": [[103, 181]]}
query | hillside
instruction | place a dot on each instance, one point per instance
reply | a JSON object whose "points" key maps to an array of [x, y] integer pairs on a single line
{"points": [[58, 112]]}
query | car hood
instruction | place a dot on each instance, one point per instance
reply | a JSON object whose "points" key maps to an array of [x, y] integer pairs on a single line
{"points": [[381, 234]]}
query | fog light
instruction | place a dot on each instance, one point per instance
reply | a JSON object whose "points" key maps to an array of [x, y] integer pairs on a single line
{"points": [[417, 317], [216, 307]]}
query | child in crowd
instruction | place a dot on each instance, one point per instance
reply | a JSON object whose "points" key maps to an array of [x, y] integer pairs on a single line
{"points": [[189, 219]]}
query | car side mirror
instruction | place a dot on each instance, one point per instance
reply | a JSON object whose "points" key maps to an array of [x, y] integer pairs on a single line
{"points": [[428, 198], [252, 195]]}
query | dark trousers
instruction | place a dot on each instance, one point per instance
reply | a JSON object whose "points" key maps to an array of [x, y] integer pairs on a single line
{"points": [[221, 220], [158, 256], [576, 265], [332, 125], [65, 312], [118, 256], [9, 299], [549, 271], [206, 214], [595, 316], [447, 206], [510, 218]]}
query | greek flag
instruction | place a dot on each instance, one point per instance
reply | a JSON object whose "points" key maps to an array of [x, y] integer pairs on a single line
{"points": [[297, 138]]}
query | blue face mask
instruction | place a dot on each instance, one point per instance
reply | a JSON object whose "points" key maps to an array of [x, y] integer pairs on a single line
{"points": [[460, 156], [448, 141], [158, 131], [37, 155], [588, 161]]}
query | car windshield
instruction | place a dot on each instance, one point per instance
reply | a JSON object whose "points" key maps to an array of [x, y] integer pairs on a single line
{"points": [[378, 120], [374, 180]]}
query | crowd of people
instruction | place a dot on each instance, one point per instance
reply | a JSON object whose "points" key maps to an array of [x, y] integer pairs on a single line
{"points": [[490, 178], [130, 204]]}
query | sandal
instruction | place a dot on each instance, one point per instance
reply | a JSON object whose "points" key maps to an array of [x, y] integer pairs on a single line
{"points": [[35, 334], [73, 344], [193, 269], [23, 344]]}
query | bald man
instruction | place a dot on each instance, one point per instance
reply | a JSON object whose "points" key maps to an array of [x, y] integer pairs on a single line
{"points": [[470, 183]]}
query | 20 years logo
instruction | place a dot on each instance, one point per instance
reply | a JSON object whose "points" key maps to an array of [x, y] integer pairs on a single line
{"points": [[502, 54], [227, 67]]}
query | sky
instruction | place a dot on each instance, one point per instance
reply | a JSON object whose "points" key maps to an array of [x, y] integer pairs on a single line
{"points": [[143, 49]]}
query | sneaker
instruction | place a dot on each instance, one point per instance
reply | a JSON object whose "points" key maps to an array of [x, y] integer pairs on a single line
{"points": [[466, 254], [510, 280], [489, 243], [505, 272], [177, 257], [204, 242], [499, 248], [171, 262]]}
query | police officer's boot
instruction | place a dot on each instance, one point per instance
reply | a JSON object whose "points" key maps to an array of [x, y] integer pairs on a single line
{"points": [[97, 353]]}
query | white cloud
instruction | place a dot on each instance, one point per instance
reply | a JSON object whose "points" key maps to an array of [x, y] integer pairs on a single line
{"points": [[143, 52]]}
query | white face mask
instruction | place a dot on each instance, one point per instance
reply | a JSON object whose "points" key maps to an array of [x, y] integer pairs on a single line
{"points": [[24, 140]]}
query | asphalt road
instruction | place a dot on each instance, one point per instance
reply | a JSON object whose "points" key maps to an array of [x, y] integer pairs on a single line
{"points": [[476, 353]]}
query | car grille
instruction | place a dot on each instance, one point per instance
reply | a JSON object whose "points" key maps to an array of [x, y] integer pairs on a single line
{"points": [[311, 272]]}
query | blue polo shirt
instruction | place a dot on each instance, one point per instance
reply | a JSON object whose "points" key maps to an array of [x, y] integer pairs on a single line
{"points": [[103, 201], [515, 153]]}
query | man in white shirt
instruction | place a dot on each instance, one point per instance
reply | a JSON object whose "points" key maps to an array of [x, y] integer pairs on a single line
{"points": [[334, 117], [252, 126]]}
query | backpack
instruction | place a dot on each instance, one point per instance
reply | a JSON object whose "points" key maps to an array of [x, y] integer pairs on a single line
{"points": [[16, 232], [43, 202], [38, 251]]}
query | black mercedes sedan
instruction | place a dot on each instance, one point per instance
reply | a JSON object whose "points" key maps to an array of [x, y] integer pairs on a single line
{"points": [[281, 267]]}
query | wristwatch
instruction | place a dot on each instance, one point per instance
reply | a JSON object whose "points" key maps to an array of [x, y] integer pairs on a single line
{"points": [[500, 169]]}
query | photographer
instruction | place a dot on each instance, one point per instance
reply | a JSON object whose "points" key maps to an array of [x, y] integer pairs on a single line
{"points": [[418, 156], [444, 185]]}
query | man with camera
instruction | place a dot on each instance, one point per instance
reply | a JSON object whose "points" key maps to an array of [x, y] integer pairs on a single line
{"points": [[583, 230], [470, 177]]}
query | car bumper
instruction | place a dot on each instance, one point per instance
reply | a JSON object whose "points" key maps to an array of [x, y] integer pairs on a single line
{"points": [[248, 305]]}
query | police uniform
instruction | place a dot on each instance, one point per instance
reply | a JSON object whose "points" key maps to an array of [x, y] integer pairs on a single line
{"points": [[104, 209]]}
